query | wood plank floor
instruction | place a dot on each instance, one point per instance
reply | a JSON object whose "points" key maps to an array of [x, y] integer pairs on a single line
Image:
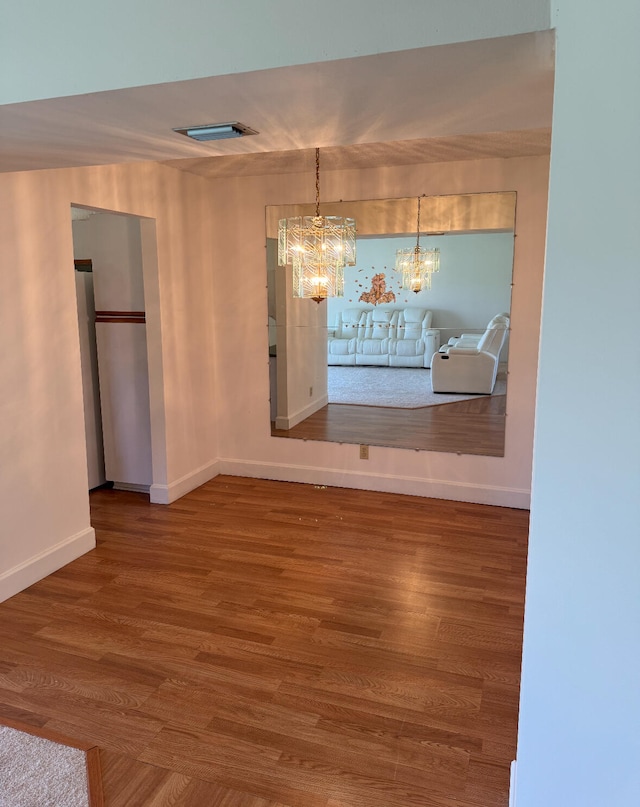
{"points": [[475, 426], [268, 644]]}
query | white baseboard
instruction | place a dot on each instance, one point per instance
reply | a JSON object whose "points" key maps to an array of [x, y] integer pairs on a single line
{"points": [[386, 483], [30, 571], [302, 414], [512, 785], [165, 494]]}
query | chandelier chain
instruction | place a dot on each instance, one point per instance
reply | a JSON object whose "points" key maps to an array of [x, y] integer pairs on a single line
{"points": [[317, 182], [317, 248], [418, 227]]}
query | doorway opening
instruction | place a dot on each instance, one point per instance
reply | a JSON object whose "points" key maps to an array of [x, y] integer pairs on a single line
{"points": [[115, 261]]}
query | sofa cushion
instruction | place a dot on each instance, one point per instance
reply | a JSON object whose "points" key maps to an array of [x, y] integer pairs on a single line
{"points": [[349, 322], [351, 315], [380, 330], [381, 323], [373, 347], [411, 330], [408, 347], [342, 347], [492, 340], [412, 322], [414, 314]]}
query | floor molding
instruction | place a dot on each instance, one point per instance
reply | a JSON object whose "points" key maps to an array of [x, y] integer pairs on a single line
{"points": [[35, 568], [302, 414], [385, 483], [165, 494]]}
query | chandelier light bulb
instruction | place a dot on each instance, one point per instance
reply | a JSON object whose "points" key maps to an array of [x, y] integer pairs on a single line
{"points": [[317, 248], [417, 264]]}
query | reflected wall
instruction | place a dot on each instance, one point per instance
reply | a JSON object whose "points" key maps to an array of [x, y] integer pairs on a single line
{"points": [[475, 235]]}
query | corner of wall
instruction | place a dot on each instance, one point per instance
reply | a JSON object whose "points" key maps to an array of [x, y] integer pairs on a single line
{"points": [[165, 494], [34, 569]]}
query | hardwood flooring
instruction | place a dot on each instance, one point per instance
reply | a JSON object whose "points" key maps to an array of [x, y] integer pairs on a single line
{"points": [[267, 644], [475, 426]]}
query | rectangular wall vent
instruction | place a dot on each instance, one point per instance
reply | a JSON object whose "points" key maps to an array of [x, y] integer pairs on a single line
{"points": [[215, 131]]}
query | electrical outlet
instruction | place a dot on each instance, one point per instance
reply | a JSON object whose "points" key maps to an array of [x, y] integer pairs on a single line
{"points": [[364, 452]]}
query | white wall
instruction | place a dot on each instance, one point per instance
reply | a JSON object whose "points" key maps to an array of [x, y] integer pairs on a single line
{"points": [[473, 284], [123, 369], [90, 384], [43, 487], [114, 244], [247, 447], [301, 360], [579, 742], [128, 44]]}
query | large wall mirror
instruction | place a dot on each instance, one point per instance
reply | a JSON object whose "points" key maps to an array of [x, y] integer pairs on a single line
{"points": [[360, 368]]}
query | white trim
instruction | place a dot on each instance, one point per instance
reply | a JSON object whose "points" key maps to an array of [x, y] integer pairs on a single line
{"points": [[412, 486], [302, 414], [512, 785], [50, 560], [165, 494]]}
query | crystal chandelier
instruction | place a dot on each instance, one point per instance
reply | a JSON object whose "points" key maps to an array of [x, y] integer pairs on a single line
{"points": [[318, 248], [417, 264]]}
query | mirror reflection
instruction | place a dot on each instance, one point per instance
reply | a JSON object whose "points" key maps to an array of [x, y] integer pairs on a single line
{"points": [[387, 366]]}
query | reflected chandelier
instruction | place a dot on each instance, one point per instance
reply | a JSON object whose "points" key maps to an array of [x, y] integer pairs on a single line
{"points": [[318, 248], [417, 264]]}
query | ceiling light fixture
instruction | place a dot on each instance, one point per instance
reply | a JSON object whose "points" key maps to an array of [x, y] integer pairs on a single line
{"points": [[417, 264], [318, 248], [216, 131]]}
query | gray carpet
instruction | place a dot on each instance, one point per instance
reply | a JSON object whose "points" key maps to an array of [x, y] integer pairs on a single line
{"points": [[403, 387], [40, 773]]}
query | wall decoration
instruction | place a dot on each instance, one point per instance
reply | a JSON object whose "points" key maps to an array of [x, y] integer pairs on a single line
{"points": [[378, 292]]}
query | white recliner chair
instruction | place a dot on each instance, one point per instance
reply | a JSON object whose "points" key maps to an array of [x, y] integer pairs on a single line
{"points": [[343, 336], [380, 328], [415, 341], [471, 339], [470, 368]]}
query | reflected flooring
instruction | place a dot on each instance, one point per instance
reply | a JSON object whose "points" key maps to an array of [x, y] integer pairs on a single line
{"points": [[269, 644], [475, 426]]}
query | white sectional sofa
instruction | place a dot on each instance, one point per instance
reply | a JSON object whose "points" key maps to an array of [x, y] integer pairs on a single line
{"points": [[390, 337]]}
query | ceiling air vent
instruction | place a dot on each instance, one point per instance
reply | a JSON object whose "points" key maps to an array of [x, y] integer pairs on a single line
{"points": [[216, 131]]}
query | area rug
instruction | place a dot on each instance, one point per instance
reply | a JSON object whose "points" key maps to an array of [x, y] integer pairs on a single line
{"points": [[38, 772], [402, 387]]}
